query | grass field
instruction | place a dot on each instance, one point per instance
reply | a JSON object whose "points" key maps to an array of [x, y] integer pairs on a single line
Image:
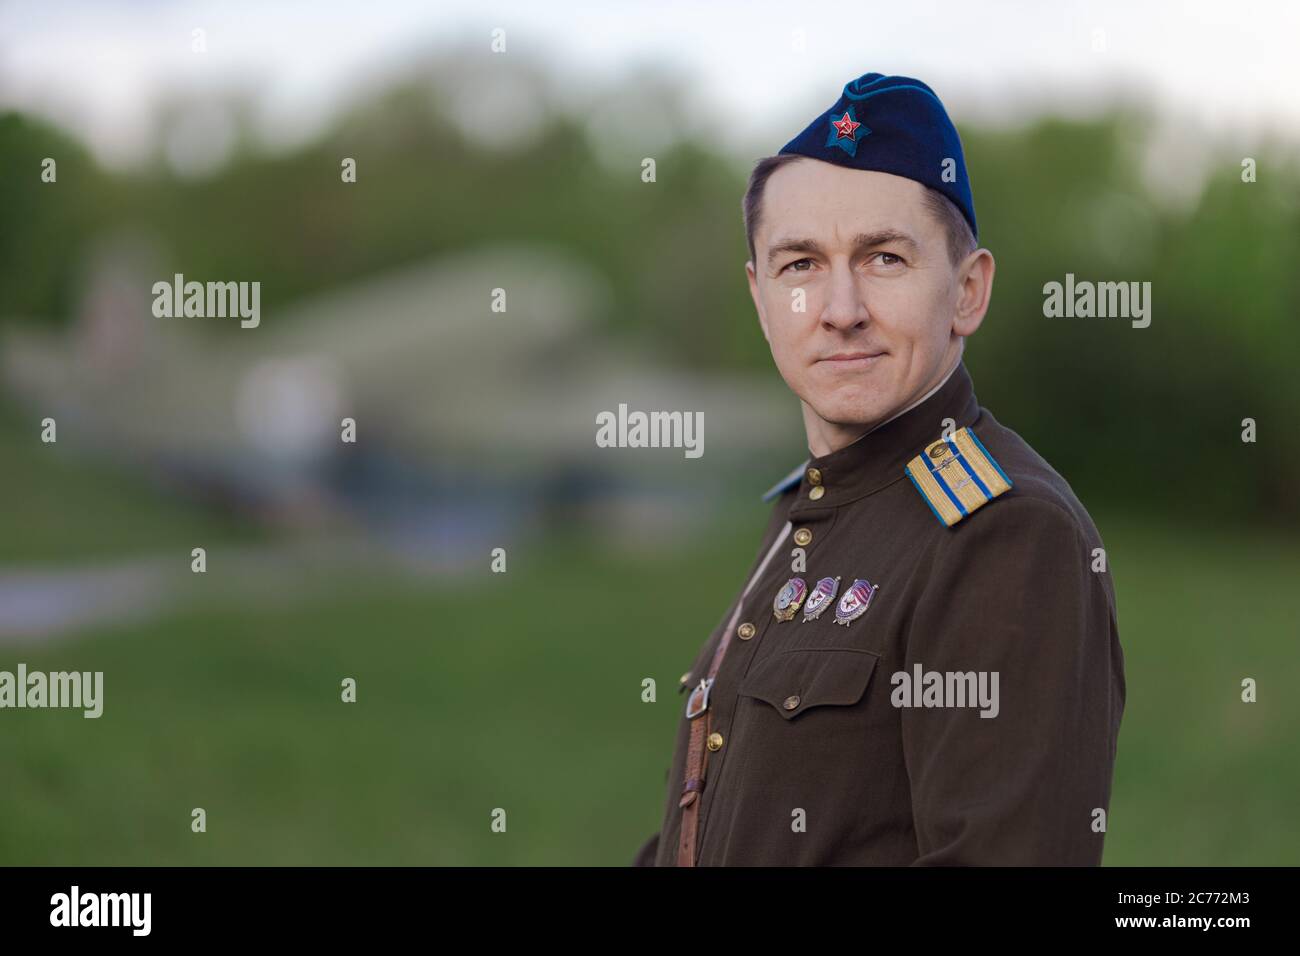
{"points": [[522, 691]]}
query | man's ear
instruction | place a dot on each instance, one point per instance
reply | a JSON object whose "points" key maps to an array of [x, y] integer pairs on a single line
{"points": [[974, 291], [758, 302]]}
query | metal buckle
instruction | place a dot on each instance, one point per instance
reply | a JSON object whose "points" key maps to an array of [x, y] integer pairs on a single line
{"points": [[700, 696]]}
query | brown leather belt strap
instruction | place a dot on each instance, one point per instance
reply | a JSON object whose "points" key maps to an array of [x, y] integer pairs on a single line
{"points": [[697, 755]]}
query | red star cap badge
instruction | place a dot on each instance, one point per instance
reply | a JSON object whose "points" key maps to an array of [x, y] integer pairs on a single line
{"points": [[845, 126]]}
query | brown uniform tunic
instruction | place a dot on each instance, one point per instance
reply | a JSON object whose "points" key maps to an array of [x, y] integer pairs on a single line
{"points": [[817, 765]]}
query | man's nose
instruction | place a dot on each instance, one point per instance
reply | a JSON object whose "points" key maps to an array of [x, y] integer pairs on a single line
{"points": [[845, 308]]}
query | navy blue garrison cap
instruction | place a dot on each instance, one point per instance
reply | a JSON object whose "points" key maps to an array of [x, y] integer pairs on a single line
{"points": [[891, 124]]}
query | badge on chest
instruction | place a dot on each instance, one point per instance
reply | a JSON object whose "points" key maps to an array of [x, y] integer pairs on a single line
{"points": [[789, 599], [822, 595], [855, 602], [851, 606]]}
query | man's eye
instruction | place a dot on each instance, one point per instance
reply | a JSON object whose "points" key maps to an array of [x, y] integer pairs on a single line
{"points": [[797, 262], [888, 258]]}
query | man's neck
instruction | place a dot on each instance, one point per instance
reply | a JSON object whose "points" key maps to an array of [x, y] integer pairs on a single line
{"points": [[824, 441]]}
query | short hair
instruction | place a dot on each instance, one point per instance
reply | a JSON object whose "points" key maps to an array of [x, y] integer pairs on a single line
{"points": [[961, 240]]}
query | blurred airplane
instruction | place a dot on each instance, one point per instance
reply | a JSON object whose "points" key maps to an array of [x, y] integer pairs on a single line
{"points": [[467, 420]]}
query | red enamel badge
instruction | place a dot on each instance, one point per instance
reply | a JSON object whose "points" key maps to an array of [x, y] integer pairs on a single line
{"points": [[845, 126]]}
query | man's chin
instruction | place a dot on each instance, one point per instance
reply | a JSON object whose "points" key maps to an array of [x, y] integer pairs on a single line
{"points": [[852, 405], [850, 414]]}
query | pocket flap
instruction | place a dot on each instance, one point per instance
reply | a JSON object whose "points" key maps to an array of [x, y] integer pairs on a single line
{"points": [[795, 680]]}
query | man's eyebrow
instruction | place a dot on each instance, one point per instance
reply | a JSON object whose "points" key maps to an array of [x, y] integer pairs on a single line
{"points": [[792, 245], [863, 241]]}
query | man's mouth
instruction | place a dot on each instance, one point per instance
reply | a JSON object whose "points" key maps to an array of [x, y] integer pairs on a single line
{"points": [[851, 360]]}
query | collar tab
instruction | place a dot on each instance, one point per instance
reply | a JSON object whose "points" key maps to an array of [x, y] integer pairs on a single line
{"points": [[785, 484]]}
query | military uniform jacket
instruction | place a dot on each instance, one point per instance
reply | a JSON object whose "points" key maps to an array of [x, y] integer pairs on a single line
{"points": [[818, 758]]}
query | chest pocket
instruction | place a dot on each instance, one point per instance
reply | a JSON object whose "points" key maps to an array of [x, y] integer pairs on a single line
{"points": [[794, 681]]}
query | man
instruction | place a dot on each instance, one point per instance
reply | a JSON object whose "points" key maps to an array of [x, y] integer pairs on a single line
{"points": [[924, 664]]}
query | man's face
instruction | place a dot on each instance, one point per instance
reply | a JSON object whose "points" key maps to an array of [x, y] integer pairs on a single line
{"points": [[880, 293]]}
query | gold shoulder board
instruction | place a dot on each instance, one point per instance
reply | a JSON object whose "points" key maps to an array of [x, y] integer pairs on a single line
{"points": [[956, 476]]}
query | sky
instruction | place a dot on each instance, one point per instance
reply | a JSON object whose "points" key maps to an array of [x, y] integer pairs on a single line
{"points": [[754, 73]]}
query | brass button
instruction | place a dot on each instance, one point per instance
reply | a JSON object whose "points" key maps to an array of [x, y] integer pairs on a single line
{"points": [[816, 492], [792, 702], [746, 631], [802, 537], [715, 741], [814, 476]]}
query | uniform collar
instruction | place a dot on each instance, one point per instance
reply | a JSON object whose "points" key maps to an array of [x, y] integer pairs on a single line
{"points": [[878, 458]]}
